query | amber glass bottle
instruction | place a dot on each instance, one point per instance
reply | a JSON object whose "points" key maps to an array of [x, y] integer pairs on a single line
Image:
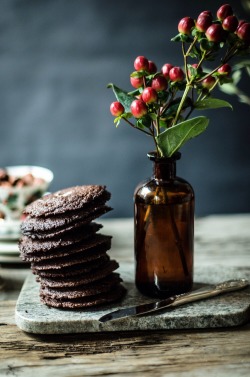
{"points": [[164, 231]]}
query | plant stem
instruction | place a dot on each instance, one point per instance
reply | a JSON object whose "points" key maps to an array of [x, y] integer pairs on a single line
{"points": [[230, 53], [139, 129], [178, 241], [164, 108], [191, 46], [177, 237], [227, 57], [185, 61], [189, 113], [189, 82], [210, 73], [212, 88], [181, 103]]}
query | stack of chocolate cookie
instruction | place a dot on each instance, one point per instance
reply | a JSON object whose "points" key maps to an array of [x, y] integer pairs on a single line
{"points": [[69, 257]]}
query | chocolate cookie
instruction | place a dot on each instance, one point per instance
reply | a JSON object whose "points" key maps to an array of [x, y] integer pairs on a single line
{"points": [[28, 245], [70, 260], [85, 302], [74, 270], [81, 279], [92, 244], [70, 199], [67, 255], [54, 226], [93, 289]]}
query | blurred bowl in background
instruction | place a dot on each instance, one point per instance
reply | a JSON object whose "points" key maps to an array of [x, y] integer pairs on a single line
{"points": [[19, 186]]}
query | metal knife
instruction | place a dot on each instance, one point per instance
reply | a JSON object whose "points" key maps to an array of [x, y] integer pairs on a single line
{"points": [[170, 302]]}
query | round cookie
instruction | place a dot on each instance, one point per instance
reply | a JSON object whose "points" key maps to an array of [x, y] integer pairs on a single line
{"points": [[85, 302], [69, 261], [67, 255], [75, 281], [54, 226], [93, 244], [69, 199], [74, 270], [28, 245], [86, 290]]}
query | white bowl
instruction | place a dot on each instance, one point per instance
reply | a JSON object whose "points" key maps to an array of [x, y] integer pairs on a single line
{"points": [[14, 199]]}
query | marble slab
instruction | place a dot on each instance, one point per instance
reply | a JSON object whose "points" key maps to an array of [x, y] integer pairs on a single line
{"points": [[231, 309]]}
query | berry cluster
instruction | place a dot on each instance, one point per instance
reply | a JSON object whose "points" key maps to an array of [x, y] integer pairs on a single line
{"points": [[155, 102], [216, 30]]}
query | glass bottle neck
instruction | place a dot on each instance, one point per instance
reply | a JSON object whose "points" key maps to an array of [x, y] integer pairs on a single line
{"points": [[165, 167], [165, 170]]}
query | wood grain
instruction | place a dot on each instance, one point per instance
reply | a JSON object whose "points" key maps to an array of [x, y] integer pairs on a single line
{"points": [[220, 352]]}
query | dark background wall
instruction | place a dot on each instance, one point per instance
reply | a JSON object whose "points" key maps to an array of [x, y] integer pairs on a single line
{"points": [[56, 58]]}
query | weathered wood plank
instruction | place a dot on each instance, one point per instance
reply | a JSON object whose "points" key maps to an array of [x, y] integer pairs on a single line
{"points": [[177, 353]]}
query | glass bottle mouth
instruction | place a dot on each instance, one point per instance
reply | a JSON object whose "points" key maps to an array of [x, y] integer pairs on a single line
{"points": [[153, 157]]}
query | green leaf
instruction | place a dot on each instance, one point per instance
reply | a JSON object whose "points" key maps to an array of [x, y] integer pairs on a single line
{"points": [[134, 93], [212, 103], [229, 89], [178, 85], [152, 116], [117, 121], [163, 123], [144, 122], [241, 64], [177, 38], [138, 74], [195, 52], [170, 140], [186, 38], [173, 106], [163, 96], [225, 80], [231, 39], [122, 96], [236, 76], [194, 72], [197, 33], [205, 44]]}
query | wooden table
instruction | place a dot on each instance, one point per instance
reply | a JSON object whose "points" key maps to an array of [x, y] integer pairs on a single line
{"points": [[208, 352]]}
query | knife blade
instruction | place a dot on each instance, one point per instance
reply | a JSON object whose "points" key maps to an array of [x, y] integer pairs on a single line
{"points": [[177, 300]]}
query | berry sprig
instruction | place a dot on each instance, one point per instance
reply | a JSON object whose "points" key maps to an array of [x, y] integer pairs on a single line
{"points": [[162, 101]]}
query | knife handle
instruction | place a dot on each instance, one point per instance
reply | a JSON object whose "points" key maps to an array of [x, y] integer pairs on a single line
{"points": [[210, 291]]}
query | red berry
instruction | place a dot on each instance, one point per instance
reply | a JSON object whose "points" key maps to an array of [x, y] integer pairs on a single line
{"points": [[116, 109], [141, 63], [224, 11], [203, 22], [230, 23], [185, 25], [138, 108], [215, 33], [241, 22], [207, 13], [165, 70], [149, 95], [243, 32], [176, 74], [159, 83], [208, 82], [152, 67], [136, 82], [225, 69]]}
